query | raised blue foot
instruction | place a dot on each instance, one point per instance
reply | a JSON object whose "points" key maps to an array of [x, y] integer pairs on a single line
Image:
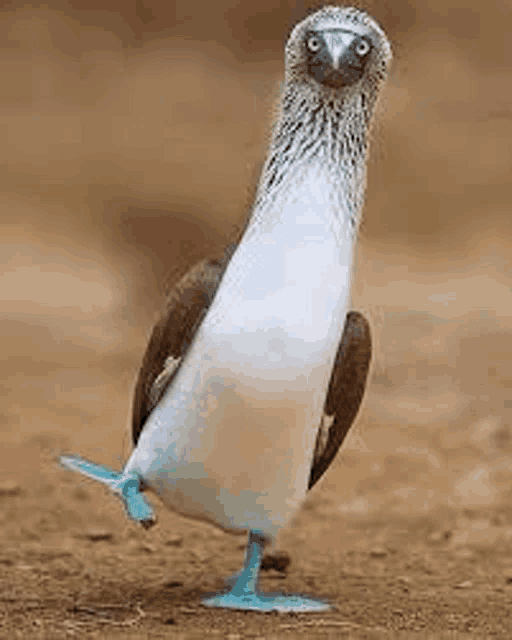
{"points": [[126, 486], [245, 594]]}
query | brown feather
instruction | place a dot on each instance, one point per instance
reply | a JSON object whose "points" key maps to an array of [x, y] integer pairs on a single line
{"points": [[345, 393], [183, 312]]}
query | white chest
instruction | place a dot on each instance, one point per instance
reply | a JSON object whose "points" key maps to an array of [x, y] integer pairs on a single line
{"points": [[289, 274], [233, 437]]}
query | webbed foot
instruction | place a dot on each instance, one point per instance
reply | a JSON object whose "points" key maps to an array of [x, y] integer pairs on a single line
{"points": [[126, 486], [244, 593], [266, 602]]}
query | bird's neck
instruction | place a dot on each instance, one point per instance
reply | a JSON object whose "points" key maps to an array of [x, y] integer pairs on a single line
{"points": [[297, 247], [313, 135], [308, 207]]}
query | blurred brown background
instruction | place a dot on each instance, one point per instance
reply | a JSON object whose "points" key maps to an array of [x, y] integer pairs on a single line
{"points": [[130, 131]]}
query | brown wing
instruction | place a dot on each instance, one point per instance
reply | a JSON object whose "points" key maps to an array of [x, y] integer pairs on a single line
{"points": [[183, 312], [345, 393]]}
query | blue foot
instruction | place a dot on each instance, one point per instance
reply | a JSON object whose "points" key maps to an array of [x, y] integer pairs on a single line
{"points": [[266, 602], [245, 595], [126, 486]]}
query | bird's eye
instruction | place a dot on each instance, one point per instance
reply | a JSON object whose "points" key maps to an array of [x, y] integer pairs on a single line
{"points": [[314, 44], [362, 47]]}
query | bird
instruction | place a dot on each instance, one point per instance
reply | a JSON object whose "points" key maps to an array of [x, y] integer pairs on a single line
{"points": [[256, 368]]}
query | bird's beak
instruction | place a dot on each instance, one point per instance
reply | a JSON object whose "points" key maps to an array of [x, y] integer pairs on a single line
{"points": [[337, 43]]}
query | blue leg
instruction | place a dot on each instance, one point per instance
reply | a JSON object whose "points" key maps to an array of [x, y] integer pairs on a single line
{"points": [[245, 595], [278, 560], [126, 486]]}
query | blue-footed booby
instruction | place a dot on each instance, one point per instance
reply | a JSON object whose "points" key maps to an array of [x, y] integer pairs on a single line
{"points": [[256, 369]]}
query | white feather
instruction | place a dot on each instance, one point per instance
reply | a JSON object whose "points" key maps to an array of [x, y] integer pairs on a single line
{"points": [[232, 439]]}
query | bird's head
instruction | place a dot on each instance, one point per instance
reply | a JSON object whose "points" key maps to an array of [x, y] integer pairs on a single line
{"points": [[336, 63], [337, 49]]}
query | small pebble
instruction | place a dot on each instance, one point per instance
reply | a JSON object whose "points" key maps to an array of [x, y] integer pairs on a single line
{"points": [[99, 534], [199, 555], [9, 488], [464, 585], [378, 552], [276, 575], [279, 561], [440, 536], [147, 547], [187, 610], [499, 520], [29, 534], [81, 494], [174, 541], [173, 583]]}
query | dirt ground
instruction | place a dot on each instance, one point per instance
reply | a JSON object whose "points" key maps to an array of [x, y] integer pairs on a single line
{"points": [[70, 566], [129, 134], [401, 536]]}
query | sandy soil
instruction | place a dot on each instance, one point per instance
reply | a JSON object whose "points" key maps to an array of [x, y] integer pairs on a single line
{"points": [[129, 136], [70, 566]]}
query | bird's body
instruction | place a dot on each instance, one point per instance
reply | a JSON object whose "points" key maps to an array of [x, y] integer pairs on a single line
{"points": [[255, 371], [250, 390]]}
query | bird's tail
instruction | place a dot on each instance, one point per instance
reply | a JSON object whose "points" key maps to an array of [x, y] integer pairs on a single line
{"points": [[127, 486]]}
